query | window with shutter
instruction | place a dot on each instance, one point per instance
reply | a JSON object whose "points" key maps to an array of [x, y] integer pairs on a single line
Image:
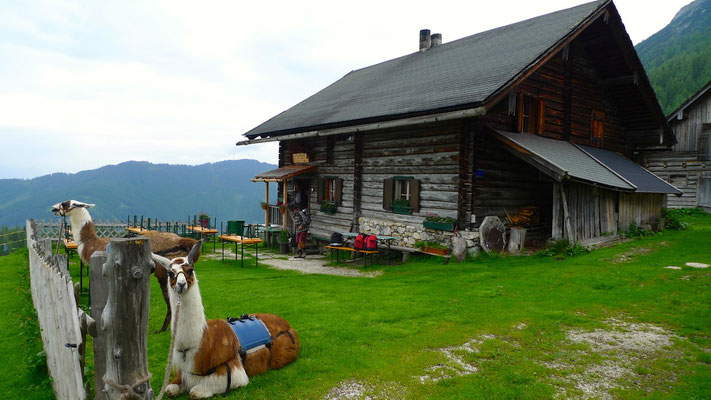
{"points": [[401, 191], [531, 112], [597, 127]]}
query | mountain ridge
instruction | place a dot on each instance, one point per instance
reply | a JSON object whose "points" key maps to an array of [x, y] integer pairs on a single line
{"points": [[164, 191], [677, 57]]}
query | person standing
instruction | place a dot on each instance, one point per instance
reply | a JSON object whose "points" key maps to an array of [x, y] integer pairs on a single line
{"points": [[302, 221]]}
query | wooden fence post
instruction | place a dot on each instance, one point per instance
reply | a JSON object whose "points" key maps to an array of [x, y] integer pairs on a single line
{"points": [[99, 293], [125, 317]]}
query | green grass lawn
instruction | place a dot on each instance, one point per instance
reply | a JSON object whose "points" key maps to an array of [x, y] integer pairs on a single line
{"points": [[497, 327]]}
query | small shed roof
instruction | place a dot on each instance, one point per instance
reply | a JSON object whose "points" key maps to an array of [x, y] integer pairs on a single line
{"points": [[643, 180], [283, 173], [564, 160]]}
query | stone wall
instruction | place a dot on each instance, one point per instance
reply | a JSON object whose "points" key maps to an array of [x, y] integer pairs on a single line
{"points": [[408, 233]]}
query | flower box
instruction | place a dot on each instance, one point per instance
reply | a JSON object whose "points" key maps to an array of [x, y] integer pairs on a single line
{"points": [[328, 208], [442, 226], [407, 210]]}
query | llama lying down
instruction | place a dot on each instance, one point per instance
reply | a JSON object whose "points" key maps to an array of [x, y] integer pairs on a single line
{"points": [[215, 356], [163, 243]]}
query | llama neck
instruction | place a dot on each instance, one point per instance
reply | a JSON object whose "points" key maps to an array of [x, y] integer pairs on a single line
{"points": [[77, 219], [191, 321]]}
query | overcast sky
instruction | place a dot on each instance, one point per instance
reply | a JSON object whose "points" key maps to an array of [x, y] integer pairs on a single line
{"points": [[89, 83]]}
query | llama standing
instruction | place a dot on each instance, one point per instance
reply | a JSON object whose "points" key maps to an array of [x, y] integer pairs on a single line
{"points": [[208, 356], [163, 243]]}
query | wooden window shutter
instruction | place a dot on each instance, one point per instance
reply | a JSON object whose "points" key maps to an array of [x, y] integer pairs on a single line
{"points": [[320, 191], [339, 191], [387, 193], [541, 123], [415, 195]]}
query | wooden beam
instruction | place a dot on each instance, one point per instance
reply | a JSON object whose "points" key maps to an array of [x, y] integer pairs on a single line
{"points": [[286, 213], [266, 211], [566, 215]]}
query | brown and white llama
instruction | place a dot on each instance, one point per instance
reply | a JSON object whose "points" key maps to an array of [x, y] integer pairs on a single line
{"points": [[162, 243], [207, 356]]}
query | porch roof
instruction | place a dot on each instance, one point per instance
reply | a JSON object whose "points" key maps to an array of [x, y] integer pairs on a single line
{"points": [[564, 160], [283, 173]]}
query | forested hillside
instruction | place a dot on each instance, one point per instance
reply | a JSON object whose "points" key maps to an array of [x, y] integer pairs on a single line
{"points": [[221, 190], [678, 58]]}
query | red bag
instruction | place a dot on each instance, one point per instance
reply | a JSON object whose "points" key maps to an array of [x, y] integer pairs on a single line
{"points": [[359, 242], [371, 243]]}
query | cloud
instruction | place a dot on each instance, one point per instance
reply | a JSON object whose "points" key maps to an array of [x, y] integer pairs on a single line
{"points": [[90, 83]]}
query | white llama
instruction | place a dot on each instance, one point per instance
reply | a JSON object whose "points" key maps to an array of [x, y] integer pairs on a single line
{"points": [[208, 357]]}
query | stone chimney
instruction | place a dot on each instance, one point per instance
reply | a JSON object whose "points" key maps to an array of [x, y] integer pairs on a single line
{"points": [[425, 39], [436, 39]]}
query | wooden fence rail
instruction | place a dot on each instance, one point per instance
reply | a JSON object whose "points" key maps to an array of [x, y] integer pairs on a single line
{"points": [[53, 298]]}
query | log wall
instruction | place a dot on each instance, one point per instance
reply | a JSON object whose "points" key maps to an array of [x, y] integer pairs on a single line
{"points": [[681, 169], [585, 94]]}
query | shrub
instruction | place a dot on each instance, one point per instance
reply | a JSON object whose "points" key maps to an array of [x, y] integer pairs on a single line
{"points": [[431, 217], [562, 248]]}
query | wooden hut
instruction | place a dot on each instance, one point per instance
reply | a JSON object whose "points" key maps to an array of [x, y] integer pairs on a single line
{"points": [[539, 115], [688, 165]]}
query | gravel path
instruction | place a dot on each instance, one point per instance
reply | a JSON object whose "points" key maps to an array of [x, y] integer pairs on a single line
{"points": [[316, 265]]}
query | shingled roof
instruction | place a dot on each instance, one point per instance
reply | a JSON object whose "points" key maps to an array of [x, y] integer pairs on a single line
{"points": [[455, 75]]}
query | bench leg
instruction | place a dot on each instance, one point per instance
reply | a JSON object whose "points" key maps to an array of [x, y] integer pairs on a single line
{"points": [[256, 255]]}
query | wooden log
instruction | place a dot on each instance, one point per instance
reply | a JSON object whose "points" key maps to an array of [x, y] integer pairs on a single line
{"points": [[125, 317], [517, 237], [566, 215]]}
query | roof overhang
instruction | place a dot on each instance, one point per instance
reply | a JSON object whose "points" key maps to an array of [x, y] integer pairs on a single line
{"points": [[561, 160], [423, 119], [284, 173]]}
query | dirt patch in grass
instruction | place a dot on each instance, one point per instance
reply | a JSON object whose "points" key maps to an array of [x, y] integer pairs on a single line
{"points": [[454, 361], [613, 358], [630, 255], [357, 390]]}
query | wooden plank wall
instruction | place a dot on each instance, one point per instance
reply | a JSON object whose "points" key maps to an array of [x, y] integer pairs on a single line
{"points": [[592, 211], [683, 170], [688, 129], [639, 208], [428, 153], [341, 166]]}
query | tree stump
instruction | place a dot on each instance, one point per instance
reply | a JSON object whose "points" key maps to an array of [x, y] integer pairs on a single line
{"points": [[125, 317], [517, 237]]}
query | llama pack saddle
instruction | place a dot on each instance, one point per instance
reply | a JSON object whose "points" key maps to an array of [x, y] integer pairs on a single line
{"points": [[253, 335]]}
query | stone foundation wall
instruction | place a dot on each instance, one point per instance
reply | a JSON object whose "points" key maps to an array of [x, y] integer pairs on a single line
{"points": [[408, 234]]}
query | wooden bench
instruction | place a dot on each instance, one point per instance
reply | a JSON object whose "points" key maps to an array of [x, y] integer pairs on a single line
{"points": [[242, 241], [365, 253]]}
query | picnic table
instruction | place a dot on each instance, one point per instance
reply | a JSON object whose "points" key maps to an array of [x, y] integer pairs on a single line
{"points": [[242, 241], [138, 230], [203, 231]]}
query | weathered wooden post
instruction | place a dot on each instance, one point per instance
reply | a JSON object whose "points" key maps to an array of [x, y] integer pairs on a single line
{"points": [[99, 293], [517, 237], [125, 318]]}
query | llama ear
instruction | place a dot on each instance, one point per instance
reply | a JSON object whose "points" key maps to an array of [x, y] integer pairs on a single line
{"points": [[194, 252], [89, 205], [161, 260]]}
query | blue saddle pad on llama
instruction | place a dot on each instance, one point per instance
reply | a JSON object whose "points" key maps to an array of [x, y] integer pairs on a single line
{"points": [[251, 332]]}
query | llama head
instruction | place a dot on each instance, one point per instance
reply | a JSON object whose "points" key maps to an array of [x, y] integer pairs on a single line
{"points": [[181, 271], [66, 207]]}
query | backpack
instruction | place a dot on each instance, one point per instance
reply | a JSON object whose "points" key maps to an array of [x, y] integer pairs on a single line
{"points": [[359, 242], [371, 243], [305, 218], [336, 239]]}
